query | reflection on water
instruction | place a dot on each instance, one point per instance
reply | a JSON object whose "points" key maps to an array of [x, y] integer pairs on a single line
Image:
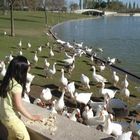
{"points": [[118, 36]]}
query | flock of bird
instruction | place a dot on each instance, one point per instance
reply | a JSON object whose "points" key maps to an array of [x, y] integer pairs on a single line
{"points": [[87, 111]]}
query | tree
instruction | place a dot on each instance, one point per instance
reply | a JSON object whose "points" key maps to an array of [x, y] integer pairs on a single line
{"points": [[11, 4], [74, 6]]}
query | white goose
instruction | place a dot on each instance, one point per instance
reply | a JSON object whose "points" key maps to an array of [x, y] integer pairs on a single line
{"points": [[63, 81], [95, 105], [101, 66], [60, 41], [69, 61], [51, 53], [67, 56], [111, 60], [125, 136], [2, 69], [83, 97], [29, 45], [115, 78], [52, 109], [60, 104], [87, 113], [35, 59], [9, 58], [20, 44], [46, 94], [97, 120], [85, 81], [96, 77], [50, 72], [72, 116], [112, 127], [39, 49], [125, 91], [103, 91], [26, 98], [71, 89], [20, 52], [29, 80], [46, 64], [125, 82]]}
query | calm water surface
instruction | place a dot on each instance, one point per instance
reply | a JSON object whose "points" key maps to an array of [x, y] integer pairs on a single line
{"points": [[118, 36]]}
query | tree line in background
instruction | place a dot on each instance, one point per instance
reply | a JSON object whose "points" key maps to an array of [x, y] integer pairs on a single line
{"points": [[61, 5]]}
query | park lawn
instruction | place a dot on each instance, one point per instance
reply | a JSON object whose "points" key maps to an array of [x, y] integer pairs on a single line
{"points": [[30, 27]]}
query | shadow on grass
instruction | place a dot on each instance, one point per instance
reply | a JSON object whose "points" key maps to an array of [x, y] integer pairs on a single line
{"points": [[17, 19]]}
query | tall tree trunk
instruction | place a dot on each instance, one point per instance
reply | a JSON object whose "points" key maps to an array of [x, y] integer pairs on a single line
{"points": [[12, 18]]}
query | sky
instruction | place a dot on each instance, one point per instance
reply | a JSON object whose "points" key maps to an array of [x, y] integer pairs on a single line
{"points": [[125, 1]]}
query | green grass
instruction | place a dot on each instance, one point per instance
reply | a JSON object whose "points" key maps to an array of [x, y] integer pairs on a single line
{"points": [[30, 26]]}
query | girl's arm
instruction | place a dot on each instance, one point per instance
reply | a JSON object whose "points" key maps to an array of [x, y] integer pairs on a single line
{"points": [[19, 106]]}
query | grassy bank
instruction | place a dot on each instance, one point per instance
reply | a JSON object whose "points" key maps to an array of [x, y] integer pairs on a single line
{"points": [[30, 27]]}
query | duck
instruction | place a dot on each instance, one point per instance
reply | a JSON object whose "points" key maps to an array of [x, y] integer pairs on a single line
{"points": [[103, 91], [46, 94], [50, 72], [83, 97], [63, 80], [46, 64], [51, 53], [60, 104], [72, 116], [115, 78], [125, 82], [85, 81], [71, 89], [96, 77], [125, 136], [110, 127]]}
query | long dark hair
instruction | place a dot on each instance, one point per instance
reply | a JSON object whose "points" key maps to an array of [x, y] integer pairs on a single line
{"points": [[17, 69]]}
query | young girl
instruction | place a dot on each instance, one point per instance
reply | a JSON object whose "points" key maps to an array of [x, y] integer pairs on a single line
{"points": [[11, 92]]}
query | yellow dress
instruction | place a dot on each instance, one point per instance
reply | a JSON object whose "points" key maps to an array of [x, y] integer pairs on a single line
{"points": [[9, 116]]}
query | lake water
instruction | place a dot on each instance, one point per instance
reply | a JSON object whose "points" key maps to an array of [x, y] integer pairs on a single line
{"points": [[118, 36]]}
